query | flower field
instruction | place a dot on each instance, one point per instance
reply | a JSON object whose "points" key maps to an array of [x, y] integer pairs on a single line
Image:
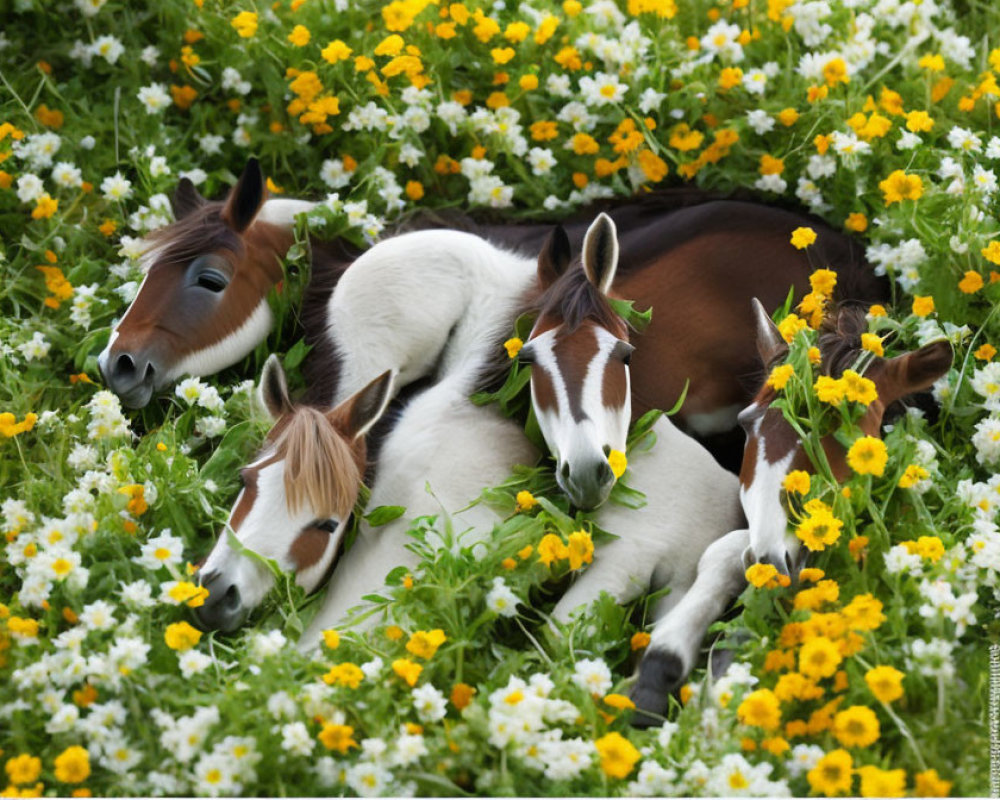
{"points": [[868, 676]]}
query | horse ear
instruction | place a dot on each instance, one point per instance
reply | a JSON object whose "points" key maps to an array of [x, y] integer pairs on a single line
{"points": [[554, 258], [246, 197], [600, 252], [274, 388], [186, 199], [913, 372], [770, 342], [366, 407]]}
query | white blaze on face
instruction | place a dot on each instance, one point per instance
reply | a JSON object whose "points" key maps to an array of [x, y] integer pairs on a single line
{"points": [[269, 529], [581, 426], [766, 516]]}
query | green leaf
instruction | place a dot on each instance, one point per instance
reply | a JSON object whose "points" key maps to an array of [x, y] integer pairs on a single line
{"points": [[382, 515], [636, 320], [296, 354]]}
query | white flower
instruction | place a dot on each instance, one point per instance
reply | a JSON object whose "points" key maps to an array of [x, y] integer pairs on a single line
{"points": [[280, 705], [368, 779], [37, 347], [67, 175], [409, 749], [89, 7], [265, 645], [721, 40], [138, 594], [592, 675], [154, 98], [296, 739], [986, 440], [803, 758], [108, 47], [192, 662], [29, 188], [196, 176], [160, 551], [333, 174], [557, 85], [760, 121], [984, 180], [211, 426], [564, 760], [755, 81], [602, 89], [541, 160], [116, 187], [429, 703], [908, 140], [501, 599], [771, 183], [98, 616], [190, 390], [653, 780], [650, 100], [118, 756], [149, 55], [964, 139]]}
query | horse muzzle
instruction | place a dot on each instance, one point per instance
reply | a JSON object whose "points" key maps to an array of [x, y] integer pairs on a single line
{"points": [[223, 609], [587, 485], [131, 376]]}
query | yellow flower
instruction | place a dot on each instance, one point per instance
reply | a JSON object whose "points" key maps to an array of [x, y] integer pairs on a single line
{"points": [[23, 768], [337, 737], [819, 529], [796, 481], [899, 187], [639, 640], [580, 549], [551, 548], [788, 117], [872, 342], [922, 306], [856, 222], [187, 592], [393, 633], [426, 643], [345, 674], [619, 701], [618, 755], [971, 283], [501, 55], [933, 62], [795, 686], [820, 594], [181, 636], [45, 207], [760, 575], [992, 252], [919, 121], [653, 167], [525, 501], [877, 782], [618, 463], [790, 326], [803, 237], [819, 658], [811, 575], [408, 670], [584, 144], [391, 45], [985, 352], [245, 24], [835, 72], [414, 190], [832, 774], [886, 683], [730, 77], [856, 726], [485, 28], [10, 427], [72, 765], [928, 784], [513, 346], [331, 639], [461, 695], [864, 612], [336, 51], [528, 82], [868, 456], [912, 476], [769, 165], [761, 709], [780, 376], [858, 389]]}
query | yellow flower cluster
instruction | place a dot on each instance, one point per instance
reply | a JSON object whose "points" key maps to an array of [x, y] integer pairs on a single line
{"points": [[578, 549], [425, 644], [10, 427]]}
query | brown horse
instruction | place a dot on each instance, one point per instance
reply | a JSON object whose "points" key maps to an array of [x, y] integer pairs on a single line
{"points": [[698, 269]]}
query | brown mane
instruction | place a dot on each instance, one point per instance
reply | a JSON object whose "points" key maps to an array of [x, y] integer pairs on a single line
{"points": [[321, 467], [201, 231], [575, 300], [840, 338]]}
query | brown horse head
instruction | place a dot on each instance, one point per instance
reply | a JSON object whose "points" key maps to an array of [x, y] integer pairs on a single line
{"points": [[579, 352], [297, 498], [773, 449], [203, 302]]}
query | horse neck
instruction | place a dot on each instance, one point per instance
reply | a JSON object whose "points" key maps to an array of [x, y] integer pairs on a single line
{"points": [[423, 303]]}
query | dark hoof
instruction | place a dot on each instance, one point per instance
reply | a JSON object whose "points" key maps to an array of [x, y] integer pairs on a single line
{"points": [[660, 673]]}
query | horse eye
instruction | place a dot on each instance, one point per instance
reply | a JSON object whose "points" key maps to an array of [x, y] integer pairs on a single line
{"points": [[212, 279], [328, 525]]}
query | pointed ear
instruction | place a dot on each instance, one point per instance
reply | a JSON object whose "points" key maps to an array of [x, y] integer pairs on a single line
{"points": [[600, 253], [186, 199], [274, 388], [554, 258], [914, 372], [770, 342], [366, 407], [246, 197]]}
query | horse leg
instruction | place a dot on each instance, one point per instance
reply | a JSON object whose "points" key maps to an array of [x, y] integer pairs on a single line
{"points": [[614, 571], [677, 635]]}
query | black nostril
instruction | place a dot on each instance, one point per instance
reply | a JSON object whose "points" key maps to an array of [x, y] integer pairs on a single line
{"points": [[788, 563], [603, 473], [124, 365], [232, 597], [564, 471]]}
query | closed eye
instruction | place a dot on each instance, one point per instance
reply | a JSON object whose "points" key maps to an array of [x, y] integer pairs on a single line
{"points": [[327, 525], [212, 279]]}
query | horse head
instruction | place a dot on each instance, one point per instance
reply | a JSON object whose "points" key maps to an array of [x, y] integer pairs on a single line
{"points": [[579, 352], [773, 449], [297, 497], [203, 302]]}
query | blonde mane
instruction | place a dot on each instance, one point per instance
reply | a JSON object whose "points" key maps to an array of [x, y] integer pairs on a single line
{"points": [[321, 467]]}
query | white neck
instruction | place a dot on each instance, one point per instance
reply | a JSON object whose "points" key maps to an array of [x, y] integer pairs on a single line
{"points": [[423, 301], [282, 211]]}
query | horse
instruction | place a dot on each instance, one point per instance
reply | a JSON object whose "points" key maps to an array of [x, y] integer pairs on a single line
{"points": [[773, 448], [458, 448]]}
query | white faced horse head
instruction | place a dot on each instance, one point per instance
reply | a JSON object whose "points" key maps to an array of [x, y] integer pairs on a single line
{"points": [[297, 498], [580, 353]]}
